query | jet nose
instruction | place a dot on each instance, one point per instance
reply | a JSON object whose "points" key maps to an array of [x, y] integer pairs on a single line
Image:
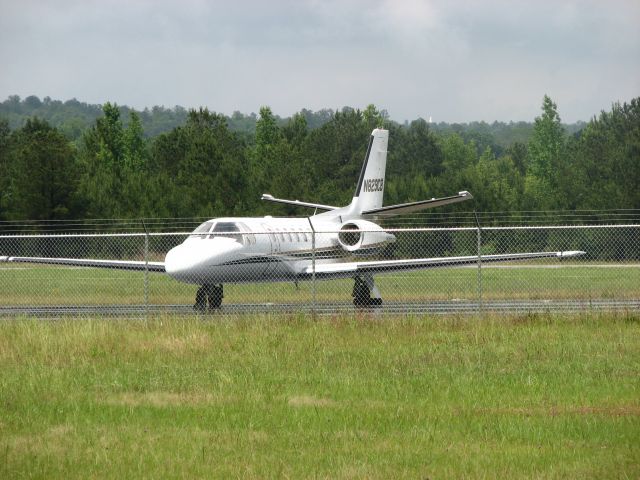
{"points": [[174, 263], [193, 262]]}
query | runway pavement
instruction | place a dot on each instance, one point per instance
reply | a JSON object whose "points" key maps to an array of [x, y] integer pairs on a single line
{"points": [[326, 309]]}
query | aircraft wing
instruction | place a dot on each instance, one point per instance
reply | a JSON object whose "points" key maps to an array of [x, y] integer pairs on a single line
{"points": [[417, 206], [347, 269], [87, 262]]}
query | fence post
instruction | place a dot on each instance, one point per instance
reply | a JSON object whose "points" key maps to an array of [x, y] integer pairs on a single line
{"points": [[146, 269], [313, 269], [479, 247]]}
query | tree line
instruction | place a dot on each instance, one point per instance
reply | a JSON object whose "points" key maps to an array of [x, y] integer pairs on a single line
{"points": [[205, 168], [73, 117]]}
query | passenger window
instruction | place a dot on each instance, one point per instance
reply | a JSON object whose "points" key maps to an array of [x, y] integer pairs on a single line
{"points": [[249, 237], [268, 231]]}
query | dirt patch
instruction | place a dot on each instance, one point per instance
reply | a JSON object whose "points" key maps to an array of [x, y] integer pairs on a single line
{"points": [[258, 436], [309, 401], [52, 441], [617, 411], [60, 430], [554, 411], [162, 399]]}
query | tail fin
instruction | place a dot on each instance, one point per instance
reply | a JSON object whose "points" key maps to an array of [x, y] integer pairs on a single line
{"points": [[370, 189]]}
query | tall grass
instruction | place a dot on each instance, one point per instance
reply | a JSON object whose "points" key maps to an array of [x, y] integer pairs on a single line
{"points": [[345, 397]]}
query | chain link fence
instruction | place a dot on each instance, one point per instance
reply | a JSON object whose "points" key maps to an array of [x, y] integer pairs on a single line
{"points": [[286, 270]]}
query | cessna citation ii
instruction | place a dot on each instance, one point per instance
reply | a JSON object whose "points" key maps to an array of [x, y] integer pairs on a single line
{"points": [[266, 249]]}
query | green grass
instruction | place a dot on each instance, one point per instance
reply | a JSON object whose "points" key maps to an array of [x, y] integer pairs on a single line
{"points": [[48, 285], [348, 397]]}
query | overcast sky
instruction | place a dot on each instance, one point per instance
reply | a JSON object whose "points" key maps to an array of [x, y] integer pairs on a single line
{"points": [[454, 61]]}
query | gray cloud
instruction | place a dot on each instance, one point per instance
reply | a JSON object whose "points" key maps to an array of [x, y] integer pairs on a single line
{"points": [[454, 61]]}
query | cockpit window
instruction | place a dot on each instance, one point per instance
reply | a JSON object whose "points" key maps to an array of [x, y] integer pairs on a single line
{"points": [[228, 230], [202, 230], [236, 231]]}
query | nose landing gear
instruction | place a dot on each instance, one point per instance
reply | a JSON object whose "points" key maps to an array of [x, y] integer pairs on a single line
{"points": [[211, 294]]}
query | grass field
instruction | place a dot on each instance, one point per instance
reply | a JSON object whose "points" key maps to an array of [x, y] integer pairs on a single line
{"points": [[348, 397], [48, 285]]}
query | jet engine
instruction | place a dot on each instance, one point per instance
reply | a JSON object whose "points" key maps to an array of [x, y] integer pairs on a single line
{"points": [[363, 238]]}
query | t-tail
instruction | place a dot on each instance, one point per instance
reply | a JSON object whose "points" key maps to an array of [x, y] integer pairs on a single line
{"points": [[367, 200], [370, 189]]}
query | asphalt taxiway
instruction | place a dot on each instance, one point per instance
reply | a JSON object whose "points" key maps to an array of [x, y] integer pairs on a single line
{"points": [[452, 307]]}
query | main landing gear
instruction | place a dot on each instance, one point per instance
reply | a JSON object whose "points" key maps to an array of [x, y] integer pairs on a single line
{"points": [[363, 289], [211, 293], [365, 294]]}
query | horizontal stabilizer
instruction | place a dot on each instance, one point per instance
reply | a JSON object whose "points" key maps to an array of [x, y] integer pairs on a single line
{"points": [[270, 198], [404, 208]]}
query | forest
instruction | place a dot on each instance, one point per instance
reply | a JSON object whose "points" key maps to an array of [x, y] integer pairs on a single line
{"points": [[61, 161]]}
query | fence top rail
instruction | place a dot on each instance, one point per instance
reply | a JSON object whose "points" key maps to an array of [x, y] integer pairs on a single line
{"points": [[561, 227], [320, 232]]}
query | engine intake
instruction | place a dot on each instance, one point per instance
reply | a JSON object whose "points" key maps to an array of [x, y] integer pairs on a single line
{"points": [[363, 238]]}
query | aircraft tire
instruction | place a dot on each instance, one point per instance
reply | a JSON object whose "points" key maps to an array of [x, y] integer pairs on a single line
{"points": [[215, 294], [201, 299], [375, 302], [362, 295]]}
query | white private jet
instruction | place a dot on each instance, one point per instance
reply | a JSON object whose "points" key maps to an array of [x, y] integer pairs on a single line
{"points": [[267, 249]]}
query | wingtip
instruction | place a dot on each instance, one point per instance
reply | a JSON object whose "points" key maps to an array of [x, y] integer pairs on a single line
{"points": [[571, 253]]}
